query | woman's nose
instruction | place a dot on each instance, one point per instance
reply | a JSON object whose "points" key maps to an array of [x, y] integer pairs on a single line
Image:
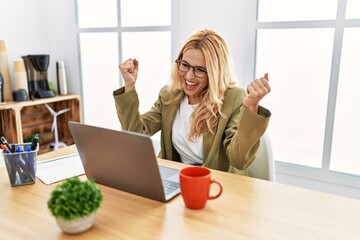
{"points": [[190, 74]]}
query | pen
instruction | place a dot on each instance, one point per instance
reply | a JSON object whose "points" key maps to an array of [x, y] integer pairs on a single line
{"points": [[12, 168], [34, 141], [3, 147], [4, 141], [29, 161], [22, 168]]}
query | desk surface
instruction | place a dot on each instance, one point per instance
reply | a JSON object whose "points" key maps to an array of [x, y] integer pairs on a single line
{"points": [[248, 209]]}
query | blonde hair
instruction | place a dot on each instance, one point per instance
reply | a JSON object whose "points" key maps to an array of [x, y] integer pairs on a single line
{"points": [[219, 65]]}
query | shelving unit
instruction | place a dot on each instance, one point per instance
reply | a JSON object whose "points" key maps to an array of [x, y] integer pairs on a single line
{"points": [[19, 121]]}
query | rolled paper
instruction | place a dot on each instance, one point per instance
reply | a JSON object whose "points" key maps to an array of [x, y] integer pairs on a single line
{"points": [[20, 77], [4, 69]]}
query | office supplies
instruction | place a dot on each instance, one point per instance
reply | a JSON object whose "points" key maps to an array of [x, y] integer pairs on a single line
{"points": [[21, 165], [34, 141], [123, 160], [29, 162], [3, 147], [57, 169], [4, 141]]}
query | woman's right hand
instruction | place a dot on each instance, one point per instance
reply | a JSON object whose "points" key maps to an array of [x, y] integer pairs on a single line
{"points": [[129, 70]]}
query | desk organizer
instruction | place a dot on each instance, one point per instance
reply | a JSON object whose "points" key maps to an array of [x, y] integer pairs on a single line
{"points": [[21, 165]]}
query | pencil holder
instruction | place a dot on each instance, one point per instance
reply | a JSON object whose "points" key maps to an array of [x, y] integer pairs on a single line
{"points": [[21, 164]]}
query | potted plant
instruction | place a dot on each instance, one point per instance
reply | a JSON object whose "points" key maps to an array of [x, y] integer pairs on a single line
{"points": [[74, 204]]}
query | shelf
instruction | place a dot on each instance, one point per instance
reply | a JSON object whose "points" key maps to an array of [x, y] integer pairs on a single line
{"points": [[21, 120]]}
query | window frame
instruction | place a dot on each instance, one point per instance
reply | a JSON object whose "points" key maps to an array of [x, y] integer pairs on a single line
{"points": [[119, 30], [324, 174]]}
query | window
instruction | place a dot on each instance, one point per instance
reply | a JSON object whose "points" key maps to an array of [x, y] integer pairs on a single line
{"points": [[99, 55], [299, 63], [353, 9], [151, 13], [344, 154], [97, 14], [111, 31], [310, 48], [296, 10], [154, 64]]}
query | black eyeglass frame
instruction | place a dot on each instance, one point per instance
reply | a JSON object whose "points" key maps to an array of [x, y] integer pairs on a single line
{"points": [[195, 68]]}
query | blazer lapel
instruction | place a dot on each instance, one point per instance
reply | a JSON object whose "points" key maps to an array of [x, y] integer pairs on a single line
{"points": [[207, 143]]}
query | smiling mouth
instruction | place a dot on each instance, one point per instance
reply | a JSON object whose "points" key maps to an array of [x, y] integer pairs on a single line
{"points": [[190, 85]]}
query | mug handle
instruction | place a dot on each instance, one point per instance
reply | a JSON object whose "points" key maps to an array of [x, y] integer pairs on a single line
{"points": [[220, 191]]}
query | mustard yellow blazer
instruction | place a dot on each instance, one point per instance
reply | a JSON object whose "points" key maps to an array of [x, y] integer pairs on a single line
{"points": [[231, 149]]}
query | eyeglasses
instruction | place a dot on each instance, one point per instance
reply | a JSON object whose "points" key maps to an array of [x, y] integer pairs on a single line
{"points": [[183, 66]]}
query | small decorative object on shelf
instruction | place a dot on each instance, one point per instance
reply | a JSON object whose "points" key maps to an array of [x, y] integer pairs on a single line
{"points": [[74, 204], [56, 144]]}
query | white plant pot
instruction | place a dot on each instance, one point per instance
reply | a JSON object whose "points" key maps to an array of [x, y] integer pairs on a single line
{"points": [[78, 225]]}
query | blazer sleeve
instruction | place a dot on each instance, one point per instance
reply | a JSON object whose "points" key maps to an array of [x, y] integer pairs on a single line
{"points": [[243, 133], [127, 107]]}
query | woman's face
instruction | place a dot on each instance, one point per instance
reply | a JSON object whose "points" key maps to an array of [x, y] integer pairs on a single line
{"points": [[193, 85]]}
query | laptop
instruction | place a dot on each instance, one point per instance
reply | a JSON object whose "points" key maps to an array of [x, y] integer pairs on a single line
{"points": [[125, 161]]}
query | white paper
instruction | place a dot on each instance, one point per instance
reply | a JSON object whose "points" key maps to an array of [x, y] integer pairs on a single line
{"points": [[58, 169]]}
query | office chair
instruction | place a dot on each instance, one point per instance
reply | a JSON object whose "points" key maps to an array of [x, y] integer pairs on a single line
{"points": [[263, 166]]}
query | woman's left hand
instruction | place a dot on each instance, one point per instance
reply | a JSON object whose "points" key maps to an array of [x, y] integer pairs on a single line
{"points": [[256, 90]]}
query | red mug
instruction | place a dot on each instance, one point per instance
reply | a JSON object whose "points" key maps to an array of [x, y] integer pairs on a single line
{"points": [[195, 185]]}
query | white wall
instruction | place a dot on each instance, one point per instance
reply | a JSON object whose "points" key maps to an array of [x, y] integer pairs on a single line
{"points": [[42, 27]]}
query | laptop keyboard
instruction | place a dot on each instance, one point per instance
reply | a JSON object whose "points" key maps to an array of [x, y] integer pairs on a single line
{"points": [[170, 186]]}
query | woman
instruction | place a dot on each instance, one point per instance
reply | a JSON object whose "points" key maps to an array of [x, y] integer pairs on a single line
{"points": [[203, 117]]}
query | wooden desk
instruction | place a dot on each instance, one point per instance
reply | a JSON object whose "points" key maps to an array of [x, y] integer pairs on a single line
{"points": [[248, 209]]}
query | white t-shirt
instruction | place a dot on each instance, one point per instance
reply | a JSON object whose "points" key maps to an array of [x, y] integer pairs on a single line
{"points": [[191, 152]]}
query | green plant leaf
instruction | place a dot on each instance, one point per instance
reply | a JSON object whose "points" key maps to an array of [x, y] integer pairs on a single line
{"points": [[73, 199]]}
